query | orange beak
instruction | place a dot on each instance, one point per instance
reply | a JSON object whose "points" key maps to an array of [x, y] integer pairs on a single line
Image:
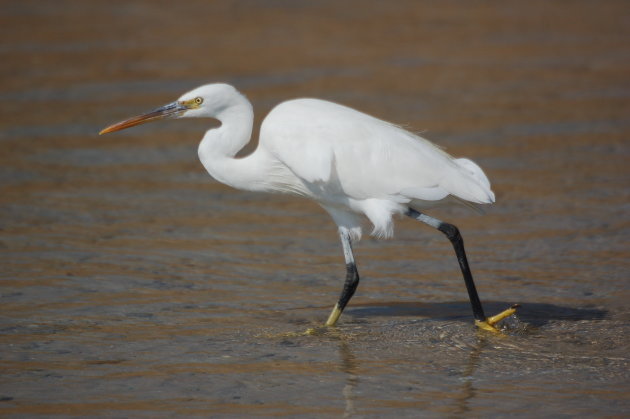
{"points": [[172, 110]]}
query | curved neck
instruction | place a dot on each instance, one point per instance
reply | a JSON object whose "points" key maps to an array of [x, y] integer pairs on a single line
{"points": [[219, 146]]}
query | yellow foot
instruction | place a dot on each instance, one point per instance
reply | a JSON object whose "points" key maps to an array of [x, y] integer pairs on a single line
{"points": [[311, 331], [316, 331], [334, 316], [489, 323], [320, 330]]}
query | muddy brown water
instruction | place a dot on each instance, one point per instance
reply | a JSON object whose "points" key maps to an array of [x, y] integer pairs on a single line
{"points": [[133, 285]]}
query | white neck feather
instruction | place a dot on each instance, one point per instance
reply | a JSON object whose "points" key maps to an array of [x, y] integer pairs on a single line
{"points": [[219, 146]]}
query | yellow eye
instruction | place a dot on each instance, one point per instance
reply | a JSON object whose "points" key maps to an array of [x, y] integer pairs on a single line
{"points": [[198, 100]]}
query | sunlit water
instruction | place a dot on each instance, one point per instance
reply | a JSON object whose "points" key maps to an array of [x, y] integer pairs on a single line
{"points": [[133, 285]]}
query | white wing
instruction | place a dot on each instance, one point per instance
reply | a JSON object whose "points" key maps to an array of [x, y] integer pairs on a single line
{"points": [[322, 142]]}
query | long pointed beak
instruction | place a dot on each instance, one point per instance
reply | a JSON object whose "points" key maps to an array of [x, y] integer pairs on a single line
{"points": [[172, 110]]}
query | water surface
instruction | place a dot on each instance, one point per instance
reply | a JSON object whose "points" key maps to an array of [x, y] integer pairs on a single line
{"points": [[133, 285]]}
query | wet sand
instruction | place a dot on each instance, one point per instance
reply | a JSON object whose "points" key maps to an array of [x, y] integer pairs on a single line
{"points": [[134, 285]]}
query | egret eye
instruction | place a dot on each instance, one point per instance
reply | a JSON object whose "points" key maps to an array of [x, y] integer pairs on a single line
{"points": [[198, 100]]}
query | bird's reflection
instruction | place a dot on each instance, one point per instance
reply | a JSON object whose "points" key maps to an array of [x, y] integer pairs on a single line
{"points": [[468, 390], [349, 365]]}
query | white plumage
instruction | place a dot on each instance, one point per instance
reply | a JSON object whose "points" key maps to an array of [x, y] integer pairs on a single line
{"points": [[351, 163]]}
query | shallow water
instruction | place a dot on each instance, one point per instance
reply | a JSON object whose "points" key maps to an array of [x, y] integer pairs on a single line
{"points": [[133, 285]]}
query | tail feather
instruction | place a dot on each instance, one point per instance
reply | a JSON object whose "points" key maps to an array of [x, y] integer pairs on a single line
{"points": [[478, 189]]}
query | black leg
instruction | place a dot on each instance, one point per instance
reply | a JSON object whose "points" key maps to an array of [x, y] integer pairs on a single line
{"points": [[458, 244], [352, 279], [349, 286]]}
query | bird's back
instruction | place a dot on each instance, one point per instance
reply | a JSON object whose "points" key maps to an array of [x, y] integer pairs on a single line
{"points": [[324, 143]]}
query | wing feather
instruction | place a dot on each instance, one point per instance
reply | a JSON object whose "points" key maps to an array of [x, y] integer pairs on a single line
{"points": [[322, 142]]}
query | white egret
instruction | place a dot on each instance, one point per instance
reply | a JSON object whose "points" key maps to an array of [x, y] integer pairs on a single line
{"points": [[350, 163]]}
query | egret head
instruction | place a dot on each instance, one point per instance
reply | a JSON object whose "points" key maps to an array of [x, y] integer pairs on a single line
{"points": [[206, 101]]}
